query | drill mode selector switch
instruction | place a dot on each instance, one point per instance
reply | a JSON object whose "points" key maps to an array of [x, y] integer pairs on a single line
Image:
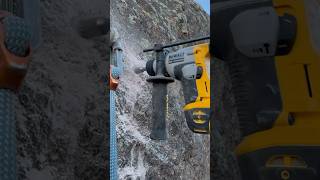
{"points": [[189, 71], [255, 32]]}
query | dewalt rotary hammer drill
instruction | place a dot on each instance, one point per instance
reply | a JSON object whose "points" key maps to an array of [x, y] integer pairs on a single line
{"points": [[272, 50], [190, 66]]}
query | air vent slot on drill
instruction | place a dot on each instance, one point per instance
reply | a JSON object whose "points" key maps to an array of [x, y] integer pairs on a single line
{"points": [[306, 71]]}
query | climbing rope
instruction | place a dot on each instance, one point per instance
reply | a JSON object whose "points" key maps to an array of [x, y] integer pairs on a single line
{"points": [[113, 139], [7, 136], [16, 39], [116, 71]]}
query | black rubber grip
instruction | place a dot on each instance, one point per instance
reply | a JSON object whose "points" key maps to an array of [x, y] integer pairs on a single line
{"points": [[189, 90], [149, 68], [189, 86], [159, 105]]}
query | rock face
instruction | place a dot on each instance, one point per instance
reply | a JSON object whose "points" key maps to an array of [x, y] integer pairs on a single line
{"points": [[140, 24], [313, 14], [62, 109], [225, 135]]}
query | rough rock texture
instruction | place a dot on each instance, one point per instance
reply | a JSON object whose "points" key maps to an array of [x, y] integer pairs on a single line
{"points": [[62, 109], [313, 14], [225, 135], [62, 104], [140, 24]]}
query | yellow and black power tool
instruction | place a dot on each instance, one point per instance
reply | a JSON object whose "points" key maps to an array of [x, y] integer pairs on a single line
{"points": [[272, 49], [189, 66]]}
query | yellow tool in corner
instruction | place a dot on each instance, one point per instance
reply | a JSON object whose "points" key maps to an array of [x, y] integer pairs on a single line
{"points": [[198, 104], [190, 66], [272, 50]]}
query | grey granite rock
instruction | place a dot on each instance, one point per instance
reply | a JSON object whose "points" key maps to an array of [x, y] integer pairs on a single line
{"points": [[140, 24], [62, 110]]}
